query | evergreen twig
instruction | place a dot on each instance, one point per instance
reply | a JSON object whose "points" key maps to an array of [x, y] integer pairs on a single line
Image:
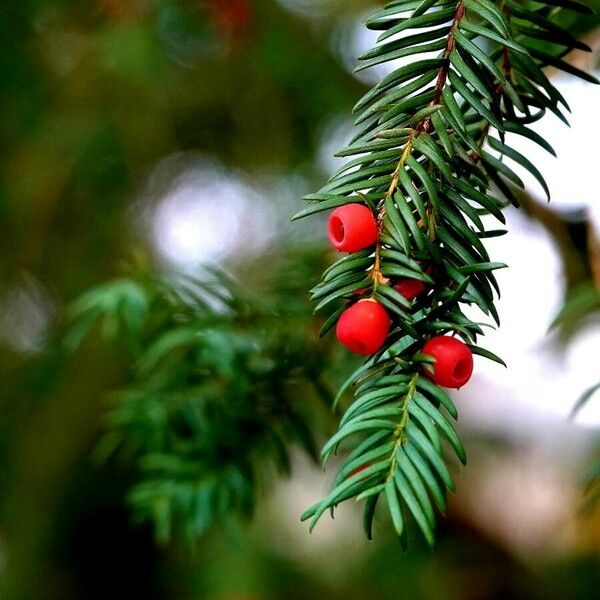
{"points": [[431, 160]]}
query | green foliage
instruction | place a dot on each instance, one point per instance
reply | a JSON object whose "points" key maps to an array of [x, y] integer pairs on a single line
{"points": [[582, 303], [431, 159], [216, 395]]}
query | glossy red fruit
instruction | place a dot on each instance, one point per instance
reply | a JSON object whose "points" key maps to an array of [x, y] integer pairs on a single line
{"points": [[410, 288], [363, 327], [352, 228], [453, 365]]}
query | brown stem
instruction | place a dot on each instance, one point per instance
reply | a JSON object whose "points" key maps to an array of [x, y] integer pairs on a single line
{"points": [[423, 126], [440, 83]]}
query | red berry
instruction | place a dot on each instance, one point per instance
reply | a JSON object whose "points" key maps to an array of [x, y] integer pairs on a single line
{"points": [[352, 228], [410, 288], [453, 365], [363, 327]]}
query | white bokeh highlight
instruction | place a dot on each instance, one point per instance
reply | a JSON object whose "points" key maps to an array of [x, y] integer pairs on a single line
{"points": [[543, 376], [202, 213]]}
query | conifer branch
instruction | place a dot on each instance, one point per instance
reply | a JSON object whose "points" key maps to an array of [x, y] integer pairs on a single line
{"points": [[447, 118]]}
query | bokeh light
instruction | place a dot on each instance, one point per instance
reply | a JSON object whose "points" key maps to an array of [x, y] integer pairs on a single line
{"points": [[202, 213]]}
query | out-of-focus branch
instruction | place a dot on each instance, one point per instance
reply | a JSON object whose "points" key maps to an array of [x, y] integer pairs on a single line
{"points": [[587, 61], [576, 267], [593, 243]]}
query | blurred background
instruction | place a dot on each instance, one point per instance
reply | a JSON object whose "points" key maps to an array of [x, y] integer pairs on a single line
{"points": [[149, 138]]}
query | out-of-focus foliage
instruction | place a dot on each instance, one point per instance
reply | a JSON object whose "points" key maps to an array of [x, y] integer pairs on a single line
{"points": [[93, 97], [224, 382], [582, 306], [582, 303]]}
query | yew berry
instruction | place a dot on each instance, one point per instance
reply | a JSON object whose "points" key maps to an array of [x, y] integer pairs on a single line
{"points": [[410, 288], [363, 327], [453, 365], [352, 228]]}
